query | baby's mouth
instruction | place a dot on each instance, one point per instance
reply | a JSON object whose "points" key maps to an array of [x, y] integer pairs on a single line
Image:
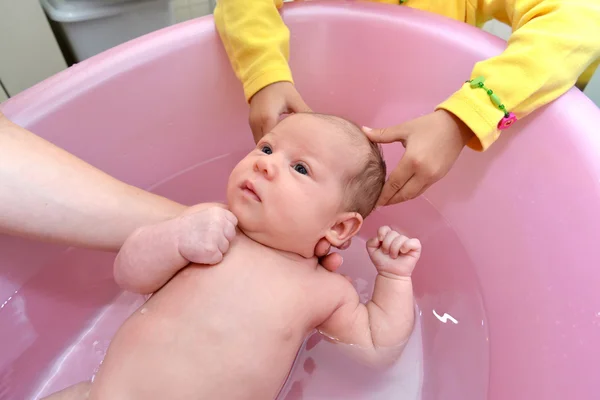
{"points": [[248, 189]]}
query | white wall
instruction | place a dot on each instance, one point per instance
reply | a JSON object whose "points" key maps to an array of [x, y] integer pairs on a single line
{"points": [[3, 95], [29, 52], [593, 88], [188, 9], [32, 53]]}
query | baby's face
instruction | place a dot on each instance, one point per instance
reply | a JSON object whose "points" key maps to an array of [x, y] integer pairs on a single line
{"points": [[287, 193]]}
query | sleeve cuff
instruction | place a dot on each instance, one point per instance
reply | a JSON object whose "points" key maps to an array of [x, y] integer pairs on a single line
{"points": [[266, 78], [474, 108]]}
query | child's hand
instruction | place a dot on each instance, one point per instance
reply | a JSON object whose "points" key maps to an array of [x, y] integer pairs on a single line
{"points": [[267, 105], [394, 255], [204, 236], [433, 142]]}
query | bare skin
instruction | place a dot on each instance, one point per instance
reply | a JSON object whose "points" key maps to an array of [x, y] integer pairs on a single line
{"points": [[232, 331], [232, 306], [63, 197], [51, 195], [433, 142]]}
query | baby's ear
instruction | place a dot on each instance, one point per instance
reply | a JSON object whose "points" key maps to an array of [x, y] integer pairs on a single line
{"points": [[346, 226]]}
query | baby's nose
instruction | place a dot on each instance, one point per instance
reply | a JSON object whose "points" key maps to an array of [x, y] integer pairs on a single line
{"points": [[266, 166]]}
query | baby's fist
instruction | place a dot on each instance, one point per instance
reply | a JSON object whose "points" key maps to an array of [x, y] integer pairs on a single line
{"points": [[394, 255], [204, 236]]}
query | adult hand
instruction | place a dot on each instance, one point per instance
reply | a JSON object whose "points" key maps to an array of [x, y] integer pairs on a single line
{"points": [[433, 143], [269, 103], [330, 261]]}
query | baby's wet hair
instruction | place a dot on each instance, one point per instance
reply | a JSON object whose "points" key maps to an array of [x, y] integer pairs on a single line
{"points": [[363, 188]]}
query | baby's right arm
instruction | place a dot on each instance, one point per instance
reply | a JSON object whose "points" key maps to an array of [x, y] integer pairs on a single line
{"points": [[154, 254]]}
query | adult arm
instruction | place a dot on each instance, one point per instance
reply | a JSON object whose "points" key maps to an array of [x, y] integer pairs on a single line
{"points": [[49, 194]]}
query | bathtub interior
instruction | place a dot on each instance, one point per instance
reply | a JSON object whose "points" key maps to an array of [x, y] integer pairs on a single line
{"points": [[506, 288]]}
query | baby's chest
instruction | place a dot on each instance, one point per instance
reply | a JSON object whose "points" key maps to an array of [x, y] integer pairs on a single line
{"points": [[275, 288]]}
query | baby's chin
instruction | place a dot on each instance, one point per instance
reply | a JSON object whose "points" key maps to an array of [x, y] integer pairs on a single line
{"points": [[256, 226], [255, 229], [248, 222]]}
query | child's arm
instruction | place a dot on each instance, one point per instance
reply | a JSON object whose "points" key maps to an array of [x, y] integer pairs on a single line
{"points": [[154, 254], [552, 44], [379, 330], [256, 41]]}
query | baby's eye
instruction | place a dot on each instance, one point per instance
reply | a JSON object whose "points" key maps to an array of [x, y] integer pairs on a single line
{"points": [[266, 149], [301, 169]]}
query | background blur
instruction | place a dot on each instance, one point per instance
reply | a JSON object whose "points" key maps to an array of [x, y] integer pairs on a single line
{"points": [[39, 38]]}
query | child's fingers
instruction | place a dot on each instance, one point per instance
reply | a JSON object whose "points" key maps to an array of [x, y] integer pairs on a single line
{"points": [[387, 241], [410, 245], [297, 105], [262, 121]]}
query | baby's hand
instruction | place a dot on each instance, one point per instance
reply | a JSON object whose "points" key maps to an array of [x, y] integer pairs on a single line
{"points": [[394, 255], [204, 236]]}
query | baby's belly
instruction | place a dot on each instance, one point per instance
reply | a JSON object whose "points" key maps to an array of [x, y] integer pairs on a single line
{"points": [[208, 334]]}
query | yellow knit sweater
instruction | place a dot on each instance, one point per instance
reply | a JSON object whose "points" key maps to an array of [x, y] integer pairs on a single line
{"points": [[555, 44]]}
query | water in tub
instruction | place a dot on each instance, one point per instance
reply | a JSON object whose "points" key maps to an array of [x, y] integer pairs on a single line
{"points": [[321, 371]]}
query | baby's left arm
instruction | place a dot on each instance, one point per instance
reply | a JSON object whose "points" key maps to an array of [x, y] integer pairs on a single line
{"points": [[379, 330]]}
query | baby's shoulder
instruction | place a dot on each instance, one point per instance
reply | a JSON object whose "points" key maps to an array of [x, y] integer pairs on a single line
{"points": [[335, 283]]}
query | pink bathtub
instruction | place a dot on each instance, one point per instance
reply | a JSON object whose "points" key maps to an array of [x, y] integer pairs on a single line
{"points": [[508, 288]]}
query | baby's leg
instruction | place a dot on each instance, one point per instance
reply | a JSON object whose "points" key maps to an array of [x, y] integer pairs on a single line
{"points": [[79, 391]]}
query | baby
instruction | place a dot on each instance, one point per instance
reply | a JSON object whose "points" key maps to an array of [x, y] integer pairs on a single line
{"points": [[231, 331]]}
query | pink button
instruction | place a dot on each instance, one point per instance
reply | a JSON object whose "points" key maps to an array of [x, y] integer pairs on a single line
{"points": [[507, 122]]}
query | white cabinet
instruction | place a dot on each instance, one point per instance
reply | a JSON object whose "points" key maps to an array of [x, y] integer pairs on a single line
{"points": [[29, 52]]}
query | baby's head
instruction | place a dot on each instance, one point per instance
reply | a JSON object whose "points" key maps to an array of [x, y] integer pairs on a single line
{"points": [[312, 176]]}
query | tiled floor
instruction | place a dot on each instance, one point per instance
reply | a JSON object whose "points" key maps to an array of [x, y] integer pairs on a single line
{"points": [[188, 9]]}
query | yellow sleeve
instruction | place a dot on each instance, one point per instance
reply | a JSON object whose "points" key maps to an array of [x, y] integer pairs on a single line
{"points": [[256, 41], [552, 44]]}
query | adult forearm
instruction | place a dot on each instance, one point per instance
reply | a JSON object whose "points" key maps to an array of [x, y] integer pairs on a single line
{"points": [[48, 194]]}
